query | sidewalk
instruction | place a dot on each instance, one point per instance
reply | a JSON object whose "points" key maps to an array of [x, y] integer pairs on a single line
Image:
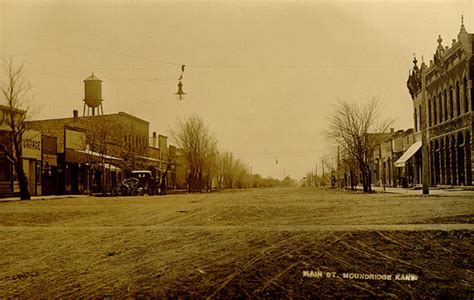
{"points": [[432, 191], [10, 199], [49, 197]]}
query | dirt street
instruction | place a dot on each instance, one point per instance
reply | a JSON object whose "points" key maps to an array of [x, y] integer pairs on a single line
{"points": [[267, 243]]}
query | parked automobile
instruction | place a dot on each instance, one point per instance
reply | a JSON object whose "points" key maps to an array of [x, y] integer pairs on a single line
{"points": [[146, 181], [129, 187]]}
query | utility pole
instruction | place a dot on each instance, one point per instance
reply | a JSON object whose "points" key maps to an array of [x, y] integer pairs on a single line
{"points": [[322, 166], [337, 168], [425, 162], [315, 174]]}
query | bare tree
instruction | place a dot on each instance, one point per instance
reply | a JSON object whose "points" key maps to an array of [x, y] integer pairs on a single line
{"points": [[211, 166], [240, 173], [15, 91], [348, 170], [197, 143], [226, 169], [358, 130]]}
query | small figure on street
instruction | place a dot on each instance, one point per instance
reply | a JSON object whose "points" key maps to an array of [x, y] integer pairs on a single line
{"points": [[163, 179], [404, 180]]}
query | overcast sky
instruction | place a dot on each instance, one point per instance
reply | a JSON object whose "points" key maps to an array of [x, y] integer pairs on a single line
{"points": [[263, 75]]}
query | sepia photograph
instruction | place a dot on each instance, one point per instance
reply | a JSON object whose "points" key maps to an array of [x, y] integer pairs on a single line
{"points": [[275, 149]]}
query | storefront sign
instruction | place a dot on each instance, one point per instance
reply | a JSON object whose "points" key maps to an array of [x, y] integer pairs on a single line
{"points": [[31, 142]]}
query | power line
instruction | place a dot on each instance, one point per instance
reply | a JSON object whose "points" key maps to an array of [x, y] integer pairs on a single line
{"points": [[208, 66], [80, 77], [274, 153], [100, 49], [294, 66], [96, 68]]}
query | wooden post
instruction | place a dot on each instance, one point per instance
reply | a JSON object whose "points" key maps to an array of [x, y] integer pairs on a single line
{"points": [[425, 161]]}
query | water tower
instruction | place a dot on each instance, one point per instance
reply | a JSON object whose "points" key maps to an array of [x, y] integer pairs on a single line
{"points": [[93, 95]]}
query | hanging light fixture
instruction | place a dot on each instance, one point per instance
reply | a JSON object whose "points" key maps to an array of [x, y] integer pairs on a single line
{"points": [[180, 91]]}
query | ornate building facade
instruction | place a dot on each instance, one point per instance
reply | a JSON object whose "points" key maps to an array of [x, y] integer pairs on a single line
{"points": [[443, 103]]}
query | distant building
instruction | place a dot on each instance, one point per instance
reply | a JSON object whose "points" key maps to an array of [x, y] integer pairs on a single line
{"points": [[181, 170], [406, 157], [382, 166], [444, 90]]}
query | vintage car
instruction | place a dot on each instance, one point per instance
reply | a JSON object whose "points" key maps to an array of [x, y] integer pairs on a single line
{"points": [[146, 181]]}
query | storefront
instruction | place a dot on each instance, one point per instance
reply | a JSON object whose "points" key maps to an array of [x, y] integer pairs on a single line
{"points": [[31, 143], [49, 172], [6, 167]]}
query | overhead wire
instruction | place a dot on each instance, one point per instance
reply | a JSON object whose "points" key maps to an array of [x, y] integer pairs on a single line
{"points": [[275, 153], [209, 66], [100, 49]]}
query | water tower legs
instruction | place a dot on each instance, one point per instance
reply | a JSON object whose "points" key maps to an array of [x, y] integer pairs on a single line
{"points": [[100, 110]]}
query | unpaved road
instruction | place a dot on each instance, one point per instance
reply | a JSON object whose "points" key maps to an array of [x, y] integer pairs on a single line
{"points": [[272, 243]]}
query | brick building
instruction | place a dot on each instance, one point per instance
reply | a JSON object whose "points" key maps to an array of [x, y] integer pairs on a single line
{"points": [[89, 153], [444, 89], [104, 145]]}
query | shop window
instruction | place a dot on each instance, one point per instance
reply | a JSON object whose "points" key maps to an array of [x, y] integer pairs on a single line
{"points": [[5, 170]]}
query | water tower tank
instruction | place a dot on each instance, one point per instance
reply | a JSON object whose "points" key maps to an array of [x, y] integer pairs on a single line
{"points": [[93, 91]]}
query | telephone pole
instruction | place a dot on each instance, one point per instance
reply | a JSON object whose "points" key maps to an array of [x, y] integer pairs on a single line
{"points": [[425, 161]]}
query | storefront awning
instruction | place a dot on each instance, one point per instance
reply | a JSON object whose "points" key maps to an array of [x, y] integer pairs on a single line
{"points": [[111, 167], [152, 159], [97, 154], [408, 154]]}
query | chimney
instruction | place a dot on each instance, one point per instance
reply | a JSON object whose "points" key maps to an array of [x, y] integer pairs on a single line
{"points": [[392, 130], [153, 141], [75, 114]]}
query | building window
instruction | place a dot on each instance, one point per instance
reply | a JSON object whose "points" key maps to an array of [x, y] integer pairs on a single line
{"points": [[445, 105], [419, 117], [451, 102], [470, 92], [458, 100], [435, 104], [465, 95], [416, 120], [429, 112], [440, 108]]}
